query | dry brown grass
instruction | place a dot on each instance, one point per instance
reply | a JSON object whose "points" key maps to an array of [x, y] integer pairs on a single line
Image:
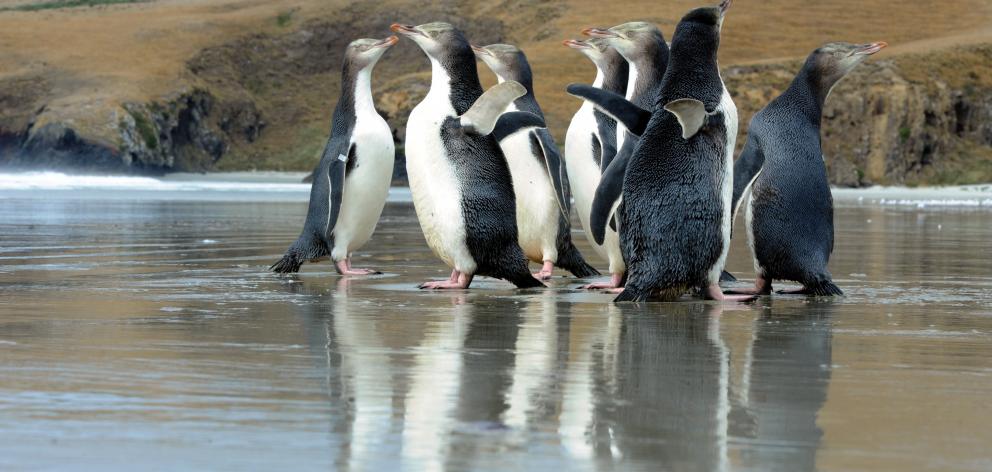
{"points": [[99, 57]]}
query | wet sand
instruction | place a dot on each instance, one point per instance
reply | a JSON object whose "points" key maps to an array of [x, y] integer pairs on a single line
{"points": [[138, 333]]}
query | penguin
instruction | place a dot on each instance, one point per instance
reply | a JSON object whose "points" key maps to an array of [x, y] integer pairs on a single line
{"points": [[540, 181], [789, 210], [352, 179], [675, 216], [460, 181], [592, 135], [643, 46]]}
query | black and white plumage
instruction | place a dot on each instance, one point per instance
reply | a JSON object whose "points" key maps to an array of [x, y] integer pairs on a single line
{"points": [[676, 212], [643, 46], [592, 135], [352, 180], [540, 180], [789, 210], [459, 178]]}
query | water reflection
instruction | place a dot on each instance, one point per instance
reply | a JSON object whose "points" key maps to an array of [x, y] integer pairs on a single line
{"points": [[681, 385], [786, 387]]}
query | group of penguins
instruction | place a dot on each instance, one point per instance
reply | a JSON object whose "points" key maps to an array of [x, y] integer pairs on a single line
{"points": [[648, 160]]}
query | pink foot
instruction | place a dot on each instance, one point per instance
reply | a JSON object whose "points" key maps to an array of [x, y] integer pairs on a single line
{"points": [[457, 281], [615, 282], [762, 286], [713, 292], [546, 271], [344, 268]]}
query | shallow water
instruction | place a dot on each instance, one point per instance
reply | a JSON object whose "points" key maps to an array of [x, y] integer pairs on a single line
{"points": [[139, 333]]}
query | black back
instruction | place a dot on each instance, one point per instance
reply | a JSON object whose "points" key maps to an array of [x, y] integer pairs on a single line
{"points": [[672, 211], [792, 205]]}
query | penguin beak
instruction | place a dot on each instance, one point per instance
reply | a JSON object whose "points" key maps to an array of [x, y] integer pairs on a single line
{"points": [[724, 6], [406, 30], [480, 51], [576, 44], [600, 33], [385, 43], [869, 49]]}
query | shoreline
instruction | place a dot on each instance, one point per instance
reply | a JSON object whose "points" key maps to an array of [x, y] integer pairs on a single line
{"points": [[288, 186]]}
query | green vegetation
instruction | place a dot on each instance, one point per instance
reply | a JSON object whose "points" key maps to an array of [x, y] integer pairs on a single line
{"points": [[145, 129], [55, 4], [904, 133], [285, 18]]}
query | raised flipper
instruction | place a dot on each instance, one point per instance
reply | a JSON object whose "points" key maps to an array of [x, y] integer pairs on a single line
{"points": [[747, 167], [513, 121], [607, 193], [691, 114], [481, 118], [631, 116], [554, 166]]}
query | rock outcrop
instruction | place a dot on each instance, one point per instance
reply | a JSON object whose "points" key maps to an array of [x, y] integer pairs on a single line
{"points": [[263, 102]]}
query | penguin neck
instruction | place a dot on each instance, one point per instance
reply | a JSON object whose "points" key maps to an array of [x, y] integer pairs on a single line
{"points": [[614, 75], [362, 92], [348, 103], [807, 94], [644, 78], [456, 82], [600, 78]]}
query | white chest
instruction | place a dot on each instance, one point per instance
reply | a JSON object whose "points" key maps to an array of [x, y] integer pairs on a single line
{"points": [[434, 184]]}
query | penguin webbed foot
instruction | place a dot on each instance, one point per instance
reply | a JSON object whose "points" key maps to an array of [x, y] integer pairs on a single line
{"points": [[713, 292], [457, 281], [546, 272], [344, 268], [615, 282]]}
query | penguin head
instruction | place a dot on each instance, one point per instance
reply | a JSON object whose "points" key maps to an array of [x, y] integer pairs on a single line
{"points": [[437, 39], [365, 53], [632, 40], [508, 62], [831, 62], [593, 48], [703, 25]]}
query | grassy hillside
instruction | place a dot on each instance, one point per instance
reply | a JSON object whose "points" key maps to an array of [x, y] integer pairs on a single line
{"points": [[243, 84]]}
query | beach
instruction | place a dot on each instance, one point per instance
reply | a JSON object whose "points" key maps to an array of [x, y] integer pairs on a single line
{"points": [[141, 329]]}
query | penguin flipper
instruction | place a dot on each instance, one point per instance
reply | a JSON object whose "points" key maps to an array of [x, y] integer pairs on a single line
{"points": [[691, 114], [554, 165], [747, 167], [482, 116], [607, 193], [631, 116], [511, 122], [335, 176]]}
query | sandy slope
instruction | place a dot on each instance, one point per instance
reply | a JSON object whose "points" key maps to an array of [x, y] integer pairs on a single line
{"points": [[94, 59]]}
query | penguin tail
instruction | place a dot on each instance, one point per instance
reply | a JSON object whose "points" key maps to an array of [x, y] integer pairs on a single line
{"points": [[525, 280], [632, 294], [571, 260], [727, 277], [289, 264], [303, 250], [824, 288]]}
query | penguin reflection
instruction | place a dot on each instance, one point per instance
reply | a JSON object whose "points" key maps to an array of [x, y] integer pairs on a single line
{"points": [[665, 399], [787, 387], [669, 398], [358, 374]]}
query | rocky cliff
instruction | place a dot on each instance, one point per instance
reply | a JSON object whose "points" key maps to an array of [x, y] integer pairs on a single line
{"points": [[262, 101]]}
